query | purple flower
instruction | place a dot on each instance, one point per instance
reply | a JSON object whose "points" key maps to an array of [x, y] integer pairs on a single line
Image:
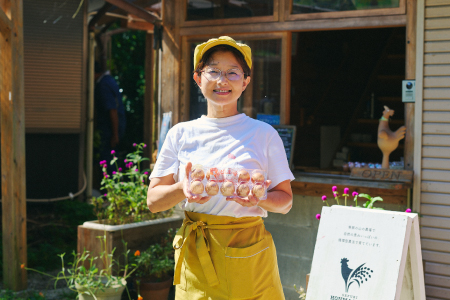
{"points": [[318, 216], [114, 172], [103, 162], [134, 144], [136, 170], [113, 151], [408, 210], [106, 195], [120, 169], [105, 166], [143, 181], [125, 160], [346, 190], [324, 198], [334, 188], [354, 194], [335, 194], [146, 173], [145, 146]]}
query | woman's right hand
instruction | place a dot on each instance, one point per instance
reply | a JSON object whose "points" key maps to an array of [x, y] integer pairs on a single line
{"points": [[192, 198]]}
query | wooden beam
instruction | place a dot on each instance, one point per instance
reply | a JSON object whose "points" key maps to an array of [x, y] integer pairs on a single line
{"points": [[100, 13], [136, 10], [137, 24], [308, 25], [148, 97], [410, 73], [13, 152], [5, 21]]}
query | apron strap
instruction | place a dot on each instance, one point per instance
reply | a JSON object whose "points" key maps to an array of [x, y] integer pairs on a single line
{"points": [[197, 228]]}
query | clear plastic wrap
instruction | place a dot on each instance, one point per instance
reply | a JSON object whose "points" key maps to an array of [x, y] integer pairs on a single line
{"points": [[228, 182]]}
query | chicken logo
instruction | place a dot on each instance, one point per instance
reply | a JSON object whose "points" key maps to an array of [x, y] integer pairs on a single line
{"points": [[358, 275]]}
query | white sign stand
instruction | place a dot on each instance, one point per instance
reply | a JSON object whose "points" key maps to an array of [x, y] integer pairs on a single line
{"points": [[365, 254]]}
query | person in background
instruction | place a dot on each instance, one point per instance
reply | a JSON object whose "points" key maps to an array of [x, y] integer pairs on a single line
{"points": [[222, 250], [110, 118]]}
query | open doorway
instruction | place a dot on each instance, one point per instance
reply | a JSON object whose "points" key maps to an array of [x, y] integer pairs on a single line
{"points": [[341, 80]]}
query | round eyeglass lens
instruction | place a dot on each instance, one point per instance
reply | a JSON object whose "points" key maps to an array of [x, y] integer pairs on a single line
{"points": [[214, 74]]}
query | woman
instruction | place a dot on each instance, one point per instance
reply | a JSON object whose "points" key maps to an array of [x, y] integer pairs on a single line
{"points": [[223, 250]]}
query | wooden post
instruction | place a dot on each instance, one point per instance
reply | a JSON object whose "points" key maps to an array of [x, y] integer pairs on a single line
{"points": [[13, 146], [410, 73], [148, 97]]}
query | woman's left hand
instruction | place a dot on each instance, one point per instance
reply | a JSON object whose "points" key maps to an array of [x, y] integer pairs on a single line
{"points": [[250, 200]]}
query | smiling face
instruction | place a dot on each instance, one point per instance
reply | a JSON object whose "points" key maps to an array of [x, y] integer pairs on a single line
{"points": [[222, 94]]}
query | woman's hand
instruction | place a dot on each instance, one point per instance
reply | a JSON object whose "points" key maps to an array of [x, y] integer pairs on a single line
{"points": [[250, 200], [192, 198]]}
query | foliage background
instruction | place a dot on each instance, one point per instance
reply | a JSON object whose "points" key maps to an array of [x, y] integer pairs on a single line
{"points": [[127, 63]]}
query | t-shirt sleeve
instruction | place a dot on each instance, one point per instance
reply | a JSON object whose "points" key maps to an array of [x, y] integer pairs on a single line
{"points": [[278, 166], [167, 162]]}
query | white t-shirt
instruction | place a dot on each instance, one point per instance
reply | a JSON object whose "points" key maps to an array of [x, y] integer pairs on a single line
{"points": [[237, 142]]}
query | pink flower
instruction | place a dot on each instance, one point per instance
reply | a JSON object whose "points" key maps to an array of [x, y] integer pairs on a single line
{"points": [[136, 170], [335, 194], [113, 151], [145, 173], [408, 210], [120, 169], [105, 166], [334, 188], [145, 146], [324, 198], [114, 172], [125, 160], [346, 190], [318, 216], [106, 195], [134, 144], [355, 194]]}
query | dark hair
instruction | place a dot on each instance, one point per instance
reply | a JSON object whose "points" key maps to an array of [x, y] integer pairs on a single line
{"points": [[223, 48]]}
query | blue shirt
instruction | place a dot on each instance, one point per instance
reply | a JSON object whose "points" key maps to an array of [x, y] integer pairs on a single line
{"points": [[107, 96]]}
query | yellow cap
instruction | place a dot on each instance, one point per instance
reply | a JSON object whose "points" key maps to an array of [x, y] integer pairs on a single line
{"points": [[223, 40]]}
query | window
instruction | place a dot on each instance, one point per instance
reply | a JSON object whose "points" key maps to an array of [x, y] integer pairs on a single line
{"points": [[313, 6], [224, 9]]}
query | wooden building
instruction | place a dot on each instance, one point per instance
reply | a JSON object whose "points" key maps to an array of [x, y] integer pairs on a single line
{"points": [[329, 68]]}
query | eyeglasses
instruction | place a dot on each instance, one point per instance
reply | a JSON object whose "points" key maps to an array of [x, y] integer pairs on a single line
{"points": [[213, 74]]}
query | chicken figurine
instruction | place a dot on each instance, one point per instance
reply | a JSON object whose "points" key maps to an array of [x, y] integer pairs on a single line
{"points": [[388, 139]]}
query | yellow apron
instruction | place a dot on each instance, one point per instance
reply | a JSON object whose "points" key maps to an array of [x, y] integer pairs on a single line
{"points": [[220, 257]]}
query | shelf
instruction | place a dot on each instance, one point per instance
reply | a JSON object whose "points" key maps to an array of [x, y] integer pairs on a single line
{"points": [[391, 77], [376, 121], [396, 56], [389, 99], [368, 145]]}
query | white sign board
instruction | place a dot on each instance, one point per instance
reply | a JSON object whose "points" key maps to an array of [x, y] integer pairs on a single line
{"points": [[365, 254]]}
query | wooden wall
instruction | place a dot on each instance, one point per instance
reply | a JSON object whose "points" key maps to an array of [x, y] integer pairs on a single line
{"points": [[54, 41], [433, 78]]}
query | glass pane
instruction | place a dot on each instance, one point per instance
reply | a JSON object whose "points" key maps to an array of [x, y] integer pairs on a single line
{"points": [[224, 9], [318, 6], [261, 99]]}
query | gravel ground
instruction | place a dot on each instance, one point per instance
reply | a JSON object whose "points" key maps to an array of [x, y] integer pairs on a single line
{"points": [[38, 283]]}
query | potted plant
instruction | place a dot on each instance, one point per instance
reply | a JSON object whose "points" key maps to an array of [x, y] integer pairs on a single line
{"points": [[153, 275], [122, 211], [84, 276]]}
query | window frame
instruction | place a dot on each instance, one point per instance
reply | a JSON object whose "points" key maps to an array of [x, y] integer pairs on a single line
{"points": [[186, 68], [289, 16], [230, 21]]}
